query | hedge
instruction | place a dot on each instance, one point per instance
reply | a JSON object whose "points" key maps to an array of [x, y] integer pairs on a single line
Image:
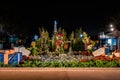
{"points": [[94, 63]]}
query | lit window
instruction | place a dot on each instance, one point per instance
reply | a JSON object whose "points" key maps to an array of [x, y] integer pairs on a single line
{"points": [[109, 41]]}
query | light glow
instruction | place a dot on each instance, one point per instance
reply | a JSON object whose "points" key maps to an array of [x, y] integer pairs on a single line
{"points": [[111, 25], [112, 29]]}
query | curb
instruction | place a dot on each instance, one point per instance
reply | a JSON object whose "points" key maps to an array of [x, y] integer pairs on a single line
{"points": [[60, 69]]}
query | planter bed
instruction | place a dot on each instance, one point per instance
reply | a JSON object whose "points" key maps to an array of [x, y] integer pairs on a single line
{"points": [[89, 63]]}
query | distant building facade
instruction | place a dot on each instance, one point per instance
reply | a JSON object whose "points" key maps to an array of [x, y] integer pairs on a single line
{"points": [[111, 39]]}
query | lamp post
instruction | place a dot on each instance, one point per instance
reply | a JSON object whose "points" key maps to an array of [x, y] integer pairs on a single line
{"points": [[112, 28]]}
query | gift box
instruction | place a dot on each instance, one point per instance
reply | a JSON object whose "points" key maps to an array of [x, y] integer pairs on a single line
{"points": [[1, 57], [12, 58]]}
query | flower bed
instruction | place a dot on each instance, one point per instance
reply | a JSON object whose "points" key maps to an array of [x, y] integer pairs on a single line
{"points": [[88, 63], [59, 58], [95, 62]]}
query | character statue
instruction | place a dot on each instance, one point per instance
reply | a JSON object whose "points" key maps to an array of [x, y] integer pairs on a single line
{"points": [[33, 49]]}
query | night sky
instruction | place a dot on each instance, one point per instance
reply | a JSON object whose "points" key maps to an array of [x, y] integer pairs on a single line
{"points": [[28, 16]]}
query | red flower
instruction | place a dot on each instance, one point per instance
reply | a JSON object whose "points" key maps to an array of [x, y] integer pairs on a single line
{"points": [[58, 42], [59, 35]]}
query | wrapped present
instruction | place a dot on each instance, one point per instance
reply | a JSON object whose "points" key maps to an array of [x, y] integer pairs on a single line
{"points": [[1, 57], [10, 57], [14, 58]]}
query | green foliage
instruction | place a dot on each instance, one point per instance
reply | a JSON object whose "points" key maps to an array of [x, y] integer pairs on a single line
{"points": [[34, 50], [53, 41], [91, 64], [58, 40], [71, 38], [73, 64], [99, 63], [43, 43], [65, 64], [78, 32], [118, 63], [7, 65], [38, 43], [1, 64], [94, 63], [64, 35], [78, 45], [76, 40], [37, 63], [83, 64], [60, 50]]}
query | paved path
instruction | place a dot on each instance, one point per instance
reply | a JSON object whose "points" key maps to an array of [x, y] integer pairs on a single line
{"points": [[59, 73]]}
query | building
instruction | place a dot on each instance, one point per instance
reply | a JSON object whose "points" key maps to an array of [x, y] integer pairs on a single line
{"points": [[111, 39]]}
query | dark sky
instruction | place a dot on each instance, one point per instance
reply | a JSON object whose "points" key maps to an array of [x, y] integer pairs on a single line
{"points": [[28, 16]]}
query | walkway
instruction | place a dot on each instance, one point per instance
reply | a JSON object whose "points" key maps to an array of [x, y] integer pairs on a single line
{"points": [[59, 73]]}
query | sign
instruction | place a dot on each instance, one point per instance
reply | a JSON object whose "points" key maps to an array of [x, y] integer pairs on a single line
{"points": [[99, 52]]}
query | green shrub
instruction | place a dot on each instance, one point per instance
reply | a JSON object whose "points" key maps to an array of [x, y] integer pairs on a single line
{"points": [[92, 63], [118, 63], [78, 45], [99, 63], [66, 64], [1, 64]]}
